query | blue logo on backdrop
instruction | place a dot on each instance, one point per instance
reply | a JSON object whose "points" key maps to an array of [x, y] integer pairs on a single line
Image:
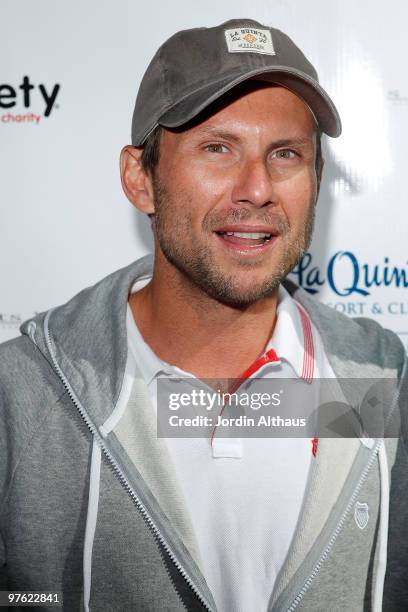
{"points": [[347, 276]]}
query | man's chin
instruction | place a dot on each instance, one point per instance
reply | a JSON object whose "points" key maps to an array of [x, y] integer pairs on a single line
{"points": [[241, 294], [230, 283]]}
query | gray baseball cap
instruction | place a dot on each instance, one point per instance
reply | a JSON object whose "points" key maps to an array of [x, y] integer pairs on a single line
{"points": [[195, 67]]}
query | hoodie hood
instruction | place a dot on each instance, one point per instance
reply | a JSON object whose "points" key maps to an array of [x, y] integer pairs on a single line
{"points": [[95, 368]]}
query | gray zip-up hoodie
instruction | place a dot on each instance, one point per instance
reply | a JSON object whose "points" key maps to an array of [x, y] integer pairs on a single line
{"points": [[90, 505]]}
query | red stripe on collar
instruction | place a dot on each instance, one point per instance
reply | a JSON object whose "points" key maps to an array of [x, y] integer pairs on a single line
{"points": [[268, 357], [308, 345]]}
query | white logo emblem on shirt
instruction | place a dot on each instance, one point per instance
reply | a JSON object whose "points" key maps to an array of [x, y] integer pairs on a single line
{"points": [[249, 39], [361, 514]]}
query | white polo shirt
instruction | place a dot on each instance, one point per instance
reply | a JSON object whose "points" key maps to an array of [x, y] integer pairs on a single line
{"points": [[245, 495]]}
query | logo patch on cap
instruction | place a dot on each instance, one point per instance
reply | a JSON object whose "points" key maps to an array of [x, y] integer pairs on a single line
{"points": [[241, 40]]}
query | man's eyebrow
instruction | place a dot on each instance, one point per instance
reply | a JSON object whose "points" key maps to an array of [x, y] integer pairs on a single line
{"points": [[215, 132], [287, 142]]}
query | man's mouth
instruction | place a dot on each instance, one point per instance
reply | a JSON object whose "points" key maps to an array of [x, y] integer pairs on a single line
{"points": [[245, 238]]}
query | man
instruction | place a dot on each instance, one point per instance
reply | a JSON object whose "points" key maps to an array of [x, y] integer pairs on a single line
{"points": [[226, 160]]}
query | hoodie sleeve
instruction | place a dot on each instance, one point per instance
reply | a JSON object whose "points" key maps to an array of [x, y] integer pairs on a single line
{"points": [[24, 396], [3, 581], [16, 418], [3, 585], [396, 579], [4, 475]]}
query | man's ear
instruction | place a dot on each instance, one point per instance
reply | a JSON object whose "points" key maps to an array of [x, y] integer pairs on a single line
{"points": [[136, 183]]}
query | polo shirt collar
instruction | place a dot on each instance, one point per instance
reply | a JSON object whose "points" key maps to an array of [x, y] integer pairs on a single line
{"points": [[287, 339]]}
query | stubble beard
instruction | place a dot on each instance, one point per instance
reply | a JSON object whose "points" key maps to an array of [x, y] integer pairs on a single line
{"points": [[196, 262]]}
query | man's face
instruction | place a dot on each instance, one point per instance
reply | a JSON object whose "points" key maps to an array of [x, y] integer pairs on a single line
{"points": [[235, 195]]}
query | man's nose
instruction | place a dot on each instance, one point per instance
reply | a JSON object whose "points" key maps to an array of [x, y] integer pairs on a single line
{"points": [[254, 185]]}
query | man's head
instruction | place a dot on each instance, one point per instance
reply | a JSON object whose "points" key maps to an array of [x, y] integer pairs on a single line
{"points": [[232, 189]]}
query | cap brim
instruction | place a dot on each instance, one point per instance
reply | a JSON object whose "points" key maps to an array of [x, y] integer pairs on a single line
{"points": [[301, 84]]}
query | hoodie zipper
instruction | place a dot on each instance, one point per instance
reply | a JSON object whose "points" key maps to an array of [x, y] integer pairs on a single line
{"points": [[117, 470]]}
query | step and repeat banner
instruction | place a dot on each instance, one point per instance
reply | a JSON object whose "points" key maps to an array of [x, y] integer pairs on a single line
{"points": [[69, 75]]}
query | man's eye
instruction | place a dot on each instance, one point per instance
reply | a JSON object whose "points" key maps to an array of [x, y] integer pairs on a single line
{"points": [[216, 148], [284, 154]]}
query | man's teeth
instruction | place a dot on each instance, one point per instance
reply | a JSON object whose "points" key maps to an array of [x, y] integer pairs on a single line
{"points": [[253, 235]]}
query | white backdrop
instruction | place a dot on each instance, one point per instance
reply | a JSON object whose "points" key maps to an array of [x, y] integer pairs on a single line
{"points": [[64, 222]]}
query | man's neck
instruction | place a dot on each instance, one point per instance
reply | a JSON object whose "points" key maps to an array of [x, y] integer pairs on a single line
{"points": [[187, 328]]}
